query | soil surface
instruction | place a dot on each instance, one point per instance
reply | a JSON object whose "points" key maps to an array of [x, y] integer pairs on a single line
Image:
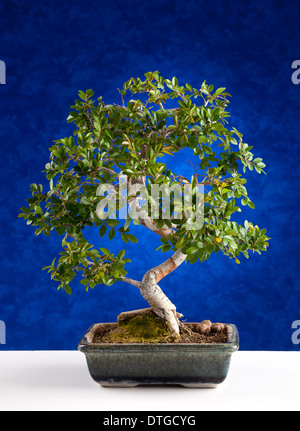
{"points": [[151, 329]]}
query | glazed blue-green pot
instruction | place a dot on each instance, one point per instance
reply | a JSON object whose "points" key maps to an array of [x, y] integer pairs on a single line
{"points": [[190, 365]]}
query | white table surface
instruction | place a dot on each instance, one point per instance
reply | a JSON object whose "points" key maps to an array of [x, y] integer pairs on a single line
{"points": [[60, 381]]}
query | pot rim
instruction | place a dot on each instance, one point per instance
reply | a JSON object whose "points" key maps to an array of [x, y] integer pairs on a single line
{"points": [[232, 344]]}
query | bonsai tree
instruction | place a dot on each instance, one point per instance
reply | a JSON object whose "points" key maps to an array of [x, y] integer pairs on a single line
{"points": [[126, 144]]}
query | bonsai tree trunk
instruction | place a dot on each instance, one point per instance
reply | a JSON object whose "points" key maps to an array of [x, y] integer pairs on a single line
{"points": [[152, 293], [149, 288]]}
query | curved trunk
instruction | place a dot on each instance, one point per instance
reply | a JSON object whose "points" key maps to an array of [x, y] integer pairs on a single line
{"points": [[149, 288], [160, 303], [152, 293]]}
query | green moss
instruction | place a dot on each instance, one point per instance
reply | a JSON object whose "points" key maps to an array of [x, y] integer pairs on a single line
{"points": [[146, 328]]}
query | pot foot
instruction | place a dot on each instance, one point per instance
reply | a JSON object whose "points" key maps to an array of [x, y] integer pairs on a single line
{"points": [[200, 385], [118, 385]]}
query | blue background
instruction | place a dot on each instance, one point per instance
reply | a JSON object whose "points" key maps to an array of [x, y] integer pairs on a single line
{"points": [[51, 50]]}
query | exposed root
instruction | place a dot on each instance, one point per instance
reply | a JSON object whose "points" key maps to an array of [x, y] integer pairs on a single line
{"points": [[171, 338], [130, 314], [184, 329], [144, 311]]}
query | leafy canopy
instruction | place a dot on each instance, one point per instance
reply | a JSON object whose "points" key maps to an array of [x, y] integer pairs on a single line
{"points": [[160, 118]]}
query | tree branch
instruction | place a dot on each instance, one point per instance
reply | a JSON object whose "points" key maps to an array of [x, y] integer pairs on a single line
{"points": [[142, 215], [133, 282], [110, 171], [166, 267]]}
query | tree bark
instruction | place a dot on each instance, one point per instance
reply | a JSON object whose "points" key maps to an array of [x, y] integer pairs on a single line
{"points": [[149, 288], [134, 205], [152, 293]]}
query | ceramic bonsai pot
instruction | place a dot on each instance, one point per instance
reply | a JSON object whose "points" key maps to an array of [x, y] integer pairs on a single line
{"points": [[190, 365]]}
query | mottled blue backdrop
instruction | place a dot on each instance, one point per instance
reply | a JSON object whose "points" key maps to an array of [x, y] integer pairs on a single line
{"points": [[51, 50]]}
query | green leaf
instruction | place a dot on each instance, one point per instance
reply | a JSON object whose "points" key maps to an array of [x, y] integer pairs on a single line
{"points": [[38, 210], [105, 251], [164, 240], [174, 81], [126, 225], [111, 233], [112, 222], [85, 200], [82, 95], [25, 210], [219, 91], [180, 242], [84, 281], [124, 238], [67, 289], [121, 254], [191, 250], [103, 230], [131, 237]]}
